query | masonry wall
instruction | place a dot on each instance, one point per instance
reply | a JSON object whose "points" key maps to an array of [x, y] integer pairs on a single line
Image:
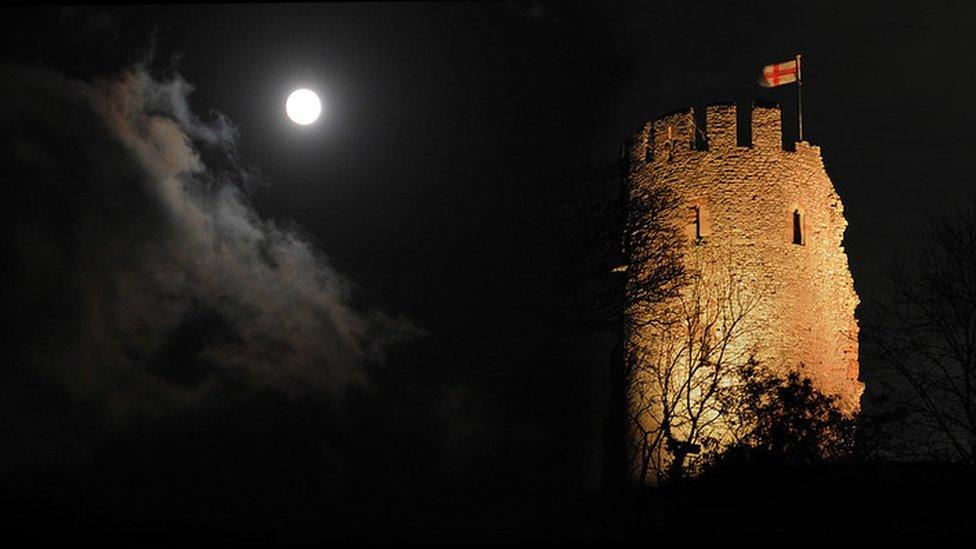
{"points": [[747, 197]]}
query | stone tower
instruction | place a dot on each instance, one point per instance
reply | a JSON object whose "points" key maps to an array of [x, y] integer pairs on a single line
{"points": [[767, 218]]}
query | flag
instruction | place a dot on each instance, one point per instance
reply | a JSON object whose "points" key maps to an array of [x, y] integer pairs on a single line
{"points": [[779, 74]]}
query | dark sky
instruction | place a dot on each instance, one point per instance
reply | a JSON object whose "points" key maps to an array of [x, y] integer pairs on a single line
{"points": [[443, 120], [440, 117], [447, 124]]}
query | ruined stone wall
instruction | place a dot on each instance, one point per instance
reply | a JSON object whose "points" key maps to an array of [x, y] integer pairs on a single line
{"points": [[747, 198]]}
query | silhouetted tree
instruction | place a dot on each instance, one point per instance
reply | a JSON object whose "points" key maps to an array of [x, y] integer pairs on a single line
{"points": [[599, 229], [653, 248], [583, 208], [685, 356], [602, 228], [926, 331], [783, 421]]}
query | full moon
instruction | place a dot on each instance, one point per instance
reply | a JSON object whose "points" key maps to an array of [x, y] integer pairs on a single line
{"points": [[303, 107]]}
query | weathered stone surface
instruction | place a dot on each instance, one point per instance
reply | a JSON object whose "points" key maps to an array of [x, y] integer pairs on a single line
{"points": [[748, 196]]}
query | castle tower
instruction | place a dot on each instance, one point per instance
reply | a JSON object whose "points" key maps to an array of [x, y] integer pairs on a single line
{"points": [[766, 218]]}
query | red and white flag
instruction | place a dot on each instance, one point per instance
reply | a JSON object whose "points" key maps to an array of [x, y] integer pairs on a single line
{"points": [[779, 74]]}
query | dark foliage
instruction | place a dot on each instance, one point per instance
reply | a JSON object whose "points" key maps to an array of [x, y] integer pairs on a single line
{"points": [[653, 249], [786, 423]]}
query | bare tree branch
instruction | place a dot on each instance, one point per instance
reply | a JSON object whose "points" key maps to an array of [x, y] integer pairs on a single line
{"points": [[926, 331]]}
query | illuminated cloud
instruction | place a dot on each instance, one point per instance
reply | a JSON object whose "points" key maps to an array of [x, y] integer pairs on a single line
{"points": [[142, 281]]}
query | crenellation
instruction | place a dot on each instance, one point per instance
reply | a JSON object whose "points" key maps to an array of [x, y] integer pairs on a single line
{"points": [[673, 134], [646, 138], [721, 126], [767, 127], [639, 147], [677, 133]]}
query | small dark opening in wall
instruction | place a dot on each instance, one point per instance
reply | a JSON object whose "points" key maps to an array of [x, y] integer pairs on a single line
{"points": [[797, 227], [701, 130], [743, 125]]}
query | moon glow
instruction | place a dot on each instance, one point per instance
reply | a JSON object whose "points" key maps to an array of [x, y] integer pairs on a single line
{"points": [[303, 107]]}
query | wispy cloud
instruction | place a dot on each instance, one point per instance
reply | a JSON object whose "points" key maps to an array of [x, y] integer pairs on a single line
{"points": [[142, 282]]}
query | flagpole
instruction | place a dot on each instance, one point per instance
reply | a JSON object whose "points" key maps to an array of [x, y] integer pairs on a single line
{"points": [[799, 94]]}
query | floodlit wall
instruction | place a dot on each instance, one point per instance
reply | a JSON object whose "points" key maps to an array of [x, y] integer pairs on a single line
{"points": [[772, 218]]}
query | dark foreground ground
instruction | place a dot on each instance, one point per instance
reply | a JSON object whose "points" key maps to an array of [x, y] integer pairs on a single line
{"points": [[263, 473], [888, 500]]}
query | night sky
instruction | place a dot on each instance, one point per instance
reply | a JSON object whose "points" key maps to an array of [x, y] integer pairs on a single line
{"points": [[411, 224], [442, 120]]}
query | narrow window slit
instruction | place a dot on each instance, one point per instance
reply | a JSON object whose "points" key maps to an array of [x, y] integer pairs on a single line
{"points": [[798, 228], [695, 230]]}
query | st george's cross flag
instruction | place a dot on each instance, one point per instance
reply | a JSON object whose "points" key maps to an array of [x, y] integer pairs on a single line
{"points": [[779, 74]]}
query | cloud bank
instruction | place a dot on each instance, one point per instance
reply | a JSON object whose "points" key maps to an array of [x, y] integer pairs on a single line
{"points": [[137, 280]]}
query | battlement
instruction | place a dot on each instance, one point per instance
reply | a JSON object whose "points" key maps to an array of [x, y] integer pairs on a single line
{"points": [[679, 132]]}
